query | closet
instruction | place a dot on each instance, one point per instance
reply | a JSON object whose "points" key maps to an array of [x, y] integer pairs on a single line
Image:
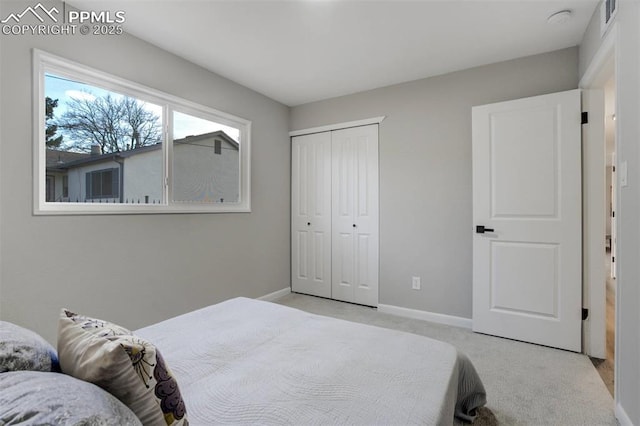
{"points": [[334, 214]]}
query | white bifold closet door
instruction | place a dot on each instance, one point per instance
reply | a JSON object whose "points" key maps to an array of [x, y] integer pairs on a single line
{"points": [[311, 214], [354, 218], [335, 214]]}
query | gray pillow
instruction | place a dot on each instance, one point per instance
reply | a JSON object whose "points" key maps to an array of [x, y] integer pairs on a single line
{"points": [[22, 349], [39, 398]]}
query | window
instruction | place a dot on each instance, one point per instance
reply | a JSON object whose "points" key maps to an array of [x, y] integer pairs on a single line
{"points": [[202, 173], [102, 184], [65, 187], [109, 145], [50, 188]]}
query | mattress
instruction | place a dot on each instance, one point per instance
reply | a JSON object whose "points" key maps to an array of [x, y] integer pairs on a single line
{"points": [[245, 361]]}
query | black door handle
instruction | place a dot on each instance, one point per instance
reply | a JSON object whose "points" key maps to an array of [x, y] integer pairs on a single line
{"points": [[480, 229]]}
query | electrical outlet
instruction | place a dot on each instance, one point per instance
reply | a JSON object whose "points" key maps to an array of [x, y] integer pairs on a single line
{"points": [[415, 283]]}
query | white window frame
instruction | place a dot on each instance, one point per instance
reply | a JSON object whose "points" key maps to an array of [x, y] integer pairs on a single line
{"points": [[44, 62]]}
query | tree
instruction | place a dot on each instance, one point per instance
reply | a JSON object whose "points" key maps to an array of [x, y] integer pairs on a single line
{"points": [[114, 123], [51, 140], [144, 126]]}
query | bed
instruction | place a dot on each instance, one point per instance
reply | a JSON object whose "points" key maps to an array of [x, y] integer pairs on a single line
{"points": [[245, 361]]}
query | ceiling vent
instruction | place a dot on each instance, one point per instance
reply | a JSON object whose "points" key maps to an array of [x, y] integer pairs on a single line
{"points": [[559, 18]]}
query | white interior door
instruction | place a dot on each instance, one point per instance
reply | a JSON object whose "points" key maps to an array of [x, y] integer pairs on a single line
{"points": [[527, 194], [355, 215], [311, 214]]}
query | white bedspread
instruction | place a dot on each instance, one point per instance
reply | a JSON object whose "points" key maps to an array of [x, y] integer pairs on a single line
{"points": [[245, 361]]}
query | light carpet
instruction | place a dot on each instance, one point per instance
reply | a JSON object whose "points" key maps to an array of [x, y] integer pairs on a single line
{"points": [[526, 384]]}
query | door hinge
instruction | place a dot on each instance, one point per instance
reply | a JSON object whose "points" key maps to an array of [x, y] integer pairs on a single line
{"points": [[585, 313], [613, 214], [613, 259], [614, 168], [585, 118]]}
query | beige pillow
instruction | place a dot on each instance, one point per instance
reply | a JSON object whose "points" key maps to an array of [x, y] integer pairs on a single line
{"points": [[127, 366]]}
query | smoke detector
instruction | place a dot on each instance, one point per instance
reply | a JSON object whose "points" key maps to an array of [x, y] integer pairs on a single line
{"points": [[559, 18]]}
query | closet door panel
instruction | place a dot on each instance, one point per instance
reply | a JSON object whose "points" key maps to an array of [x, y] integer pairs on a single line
{"points": [[311, 214], [366, 216], [343, 231], [355, 214]]}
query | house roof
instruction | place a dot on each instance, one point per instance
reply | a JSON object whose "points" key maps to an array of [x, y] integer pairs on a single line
{"points": [[56, 157], [63, 160], [216, 134]]}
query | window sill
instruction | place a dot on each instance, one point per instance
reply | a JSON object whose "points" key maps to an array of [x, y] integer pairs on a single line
{"points": [[58, 209]]}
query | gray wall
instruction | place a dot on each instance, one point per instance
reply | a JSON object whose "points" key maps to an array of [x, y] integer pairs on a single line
{"points": [[628, 211], [590, 42], [135, 269], [425, 169]]}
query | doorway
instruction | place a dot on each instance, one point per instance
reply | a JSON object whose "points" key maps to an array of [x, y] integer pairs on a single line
{"points": [[606, 366], [599, 214]]}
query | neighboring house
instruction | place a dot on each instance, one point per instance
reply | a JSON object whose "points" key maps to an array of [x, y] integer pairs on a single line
{"points": [[57, 179], [206, 168]]}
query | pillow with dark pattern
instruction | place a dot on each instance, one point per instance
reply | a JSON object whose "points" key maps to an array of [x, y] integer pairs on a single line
{"points": [[47, 398], [127, 366], [22, 349]]}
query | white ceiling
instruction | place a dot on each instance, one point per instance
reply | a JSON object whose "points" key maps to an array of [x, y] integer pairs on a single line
{"points": [[300, 51]]}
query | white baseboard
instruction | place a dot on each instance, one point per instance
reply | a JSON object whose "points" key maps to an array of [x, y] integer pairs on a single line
{"points": [[621, 415], [426, 316], [275, 295]]}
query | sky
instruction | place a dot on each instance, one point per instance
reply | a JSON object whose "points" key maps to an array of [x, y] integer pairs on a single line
{"points": [[63, 89]]}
